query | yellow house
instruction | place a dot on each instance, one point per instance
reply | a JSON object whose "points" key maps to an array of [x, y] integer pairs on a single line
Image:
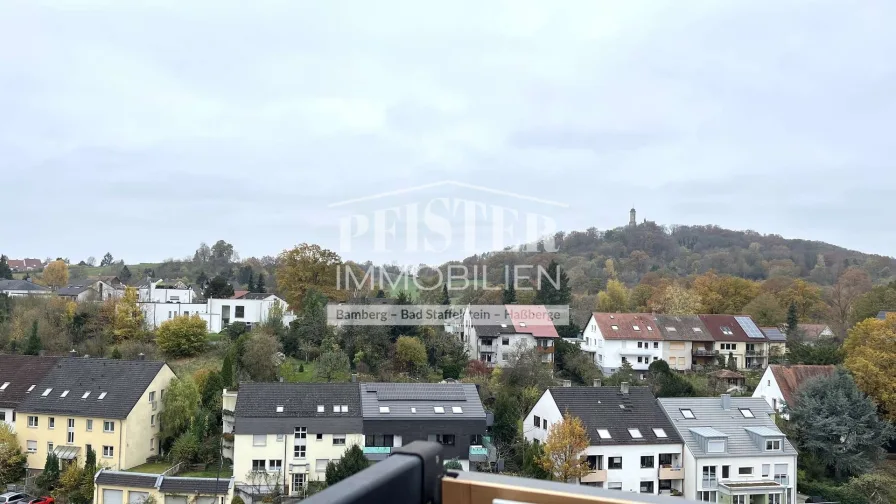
{"points": [[737, 337], [118, 487], [109, 406]]}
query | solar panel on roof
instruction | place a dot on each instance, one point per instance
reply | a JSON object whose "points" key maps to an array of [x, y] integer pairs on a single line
{"points": [[421, 392], [746, 323]]}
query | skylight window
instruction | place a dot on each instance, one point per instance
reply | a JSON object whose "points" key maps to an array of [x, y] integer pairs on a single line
{"points": [[671, 329], [747, 413], [522, 324], [504, 326], [85, 395], [603, 433], [46, 392], [413, 409], [727, 330], [457, 409], [31, 388], [101, 397], [335, 408], [649, 328], [64, 393], [438, 409], [687, 413], [3, 387], [660, 433], [614, 327], [635, 433], [320, 408], [697, 329], [279, 409], [636, 327], [343, 408], [384, 409]]}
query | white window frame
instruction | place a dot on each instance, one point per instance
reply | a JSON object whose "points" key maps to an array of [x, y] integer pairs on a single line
{"points": [[108, 451], [108, 426]]}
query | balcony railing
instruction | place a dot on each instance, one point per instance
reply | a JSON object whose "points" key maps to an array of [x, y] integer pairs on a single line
{"points": [[595, 476], [667, 472], [486, 348], [704, 352], [755, 353], [377, 450], [543, 349], [710, 483]]}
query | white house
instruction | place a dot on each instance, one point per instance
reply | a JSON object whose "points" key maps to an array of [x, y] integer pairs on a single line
{"points": [[19, 288], [492, 342], [159, 291], [733, 451], [624, 337], [779, 384], [251, 309], [633, 446]]}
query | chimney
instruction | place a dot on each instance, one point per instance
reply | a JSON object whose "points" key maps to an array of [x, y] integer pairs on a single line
{"points": [[73, 353], [354, 377], [281, 379], [726, 402], [624, 387], [567, 383], [596, 382], [141, 356]]}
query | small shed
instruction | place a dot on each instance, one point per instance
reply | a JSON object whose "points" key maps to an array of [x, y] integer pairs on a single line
{"points": [[726, 380]]}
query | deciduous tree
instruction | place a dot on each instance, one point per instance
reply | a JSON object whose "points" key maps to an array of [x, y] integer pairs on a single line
{"points": [[218, 288], [129, 317], [868, 305], [724, 293], [332, 366], [870, 352], [766, 310], [107, 260], [410, 355], [12, 460], [563, 448], [55, 274], [182, 336], [305, 267], [852, 284], [614, 299], [180, 403], [259, 357], [677, 300]]}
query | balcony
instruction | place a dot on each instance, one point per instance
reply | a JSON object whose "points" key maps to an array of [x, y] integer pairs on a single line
{"points": [[376, 453], [596, 476], [668, 472], [755, 353], [487, 348], [545, 350], [704, 352], [710, 483]]}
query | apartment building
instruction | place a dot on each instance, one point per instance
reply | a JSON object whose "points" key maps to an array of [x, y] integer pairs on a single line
{"points": [[396, 414], [119, 487], [19, 376], [779, 384], [287, 433], [738, 337], [686, 341], [633, 446], [526, 326], [733, 451], [110, 406], [250, 309], [624, 337]]}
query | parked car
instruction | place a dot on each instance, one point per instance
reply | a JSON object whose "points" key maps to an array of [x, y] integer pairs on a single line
{"points": [[43, 500], [14, 497]]}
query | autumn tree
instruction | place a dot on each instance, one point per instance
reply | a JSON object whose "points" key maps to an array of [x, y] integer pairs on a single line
{"points": [[677, 300], [56, 274], [129, 317], [868, 305], [805, 297], [305, 267], [180, 404], [563, 448], [182, 336], [12, 460], [871, 356], [410, 355], [765, 310], [724, 293], [852, 284], [552, 286], [258, 358], [614, 299]]}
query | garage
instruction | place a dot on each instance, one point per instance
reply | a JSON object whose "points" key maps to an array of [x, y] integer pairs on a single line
{"points": [[175, 499], [112, 497]]}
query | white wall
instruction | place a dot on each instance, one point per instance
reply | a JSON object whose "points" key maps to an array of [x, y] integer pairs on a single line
{"points": [[245, 452], [156, 295], [7, 413], [156, 313], [737, 462], [593, 340], [254, 311], [610, 351], [545, 408], [677, 354], [22, 293], [769, 390]]}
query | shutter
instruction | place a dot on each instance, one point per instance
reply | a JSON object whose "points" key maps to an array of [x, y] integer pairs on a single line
{"points": [[765, 469], [780, 469], [175, 499], [137, 497], [112, 497]]}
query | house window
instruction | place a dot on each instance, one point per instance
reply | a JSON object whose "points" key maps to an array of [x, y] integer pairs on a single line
{"points": [[152, 444], [320, 465], [614, 463], [537, 421], [745, 471], [258, 465], [705, 496], [635, 433], [766, 468], [445, 439], [108, 451], [747, 413], [320, 408], [32, 446], [298, 451], [49, 447], [152, 396], [544, 423], [259, 439], [280, 437], [656, 344], [338, 439], [52, 423], [647, 487], [637, 329], [647, 462], [298, 482], [614, 327], [275, 465], [88, 448], [239, 312], [152, 420], [603, 433], [687, 413], [89, 424], [715, 446], [726, 472], [773, 445], [595, 462], [476, 439], [32, 421], [108, 426], [457, 410], [319, 437], [70, 436], [660, 433], [505, 341], [614, 485], [2, 416]]}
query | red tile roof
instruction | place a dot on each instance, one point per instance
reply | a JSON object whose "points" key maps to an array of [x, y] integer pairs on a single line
{"points": [[532, 319], [716, 325], [239, 294], [625, 324], [789, 378]]}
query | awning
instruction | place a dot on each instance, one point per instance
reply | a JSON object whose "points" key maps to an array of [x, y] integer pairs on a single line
{"points": [[67, 452]]}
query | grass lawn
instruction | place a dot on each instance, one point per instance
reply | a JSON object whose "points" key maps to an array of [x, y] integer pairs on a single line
{"points": [[226, 473], [188, 366], [289, 370], [151, 468]]}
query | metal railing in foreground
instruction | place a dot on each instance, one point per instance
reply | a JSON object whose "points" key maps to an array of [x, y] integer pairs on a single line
{"points": [[414, 474]]}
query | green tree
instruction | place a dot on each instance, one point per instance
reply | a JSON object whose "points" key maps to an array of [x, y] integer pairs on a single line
{"points": [[259, 285], [49, 479], [259, 357], [793, 321], [332, 366], [507, 417], [666, 383], [820, 354], [351, 462], [732, 363], [116, 354], [307, 267], [766, 310], [880, 298], [453, 465], [182, 336], [12, 460], [227, 371], [5, 270], [250, 282], [837, 425], [402, 299], [508, 295], [614, 299], [107, 260], [218, 288], [33, 345], [445, 299], [553, 287], [533, 453], [410, 355], [125, 274], [181, 402]]}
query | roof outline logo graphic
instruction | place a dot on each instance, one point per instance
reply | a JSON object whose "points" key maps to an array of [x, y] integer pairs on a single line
{"points": [[454, 183]]}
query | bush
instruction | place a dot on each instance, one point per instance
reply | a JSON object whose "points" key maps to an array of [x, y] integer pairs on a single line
{"points": [[454, 465], [185, 449], [130, 350], [301, 368], [182, 336], [829, 491], [237, 500]]}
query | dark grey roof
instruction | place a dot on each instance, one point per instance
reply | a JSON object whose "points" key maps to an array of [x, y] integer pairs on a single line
{"points": [[682, 328], [203, 486], [493, 330], [257, 295], [127, 479], [20, 285], [708, 413], [260, 400], [419, 400], [22, 372], [123, 381], [72, 290], [599, 408], [773, 334]]}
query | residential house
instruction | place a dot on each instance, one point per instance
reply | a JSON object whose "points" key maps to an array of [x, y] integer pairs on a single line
{"points": [[161, 291], [624, 337], [119, 487], [19, 376], [75, 292], [738, 337], [286, 433], [733, 451], [111, 406], [687, 341], [815, 333], [633, 446], [777, 342], [251, 309], [20, 265], [526, 326], [779, 384], [451, 414], [19, 288]]}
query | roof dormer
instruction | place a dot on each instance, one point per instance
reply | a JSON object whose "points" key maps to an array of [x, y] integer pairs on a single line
{"points": [[766, 438], [711, 440]]}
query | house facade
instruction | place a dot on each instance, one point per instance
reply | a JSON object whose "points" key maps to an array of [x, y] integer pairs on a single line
{"points": [[686, 341], [287, 433], [624, 337], [110, 406], [492, 342], [19, 288], [779, 384], [733, 451], [251, 309], [78, 293], [451, 414], [633, 446], [20, 375], [777, 342], [160, 291], [738, 337], [118, 487]]}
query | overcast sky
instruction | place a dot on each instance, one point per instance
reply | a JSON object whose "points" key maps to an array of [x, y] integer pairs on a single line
{"points": [[145, 130]]}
